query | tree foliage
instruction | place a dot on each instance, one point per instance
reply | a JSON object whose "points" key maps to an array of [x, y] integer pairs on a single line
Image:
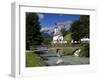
{"points": [[33, 34], [65, 32], [46, 41], [85, 50], [80, 28]]}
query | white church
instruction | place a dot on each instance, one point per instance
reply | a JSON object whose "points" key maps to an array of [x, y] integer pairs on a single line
{"points": [[57, 36]]}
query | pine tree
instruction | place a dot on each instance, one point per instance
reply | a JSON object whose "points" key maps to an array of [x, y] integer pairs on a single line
{"points": [[33, 34]]}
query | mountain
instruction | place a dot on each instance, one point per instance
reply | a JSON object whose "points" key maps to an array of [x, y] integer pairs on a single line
{"points": [[48, 32], [64, 25]]}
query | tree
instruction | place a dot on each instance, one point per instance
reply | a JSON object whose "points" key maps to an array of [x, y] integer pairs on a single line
{"points": [[80, 28], [33, 34], [65, 32], [85, 21], [46, 41]]}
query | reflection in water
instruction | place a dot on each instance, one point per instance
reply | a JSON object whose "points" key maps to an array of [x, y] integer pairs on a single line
{"points": [[59, 54]]}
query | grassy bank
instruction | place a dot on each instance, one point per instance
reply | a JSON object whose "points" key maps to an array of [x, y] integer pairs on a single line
{"points": [[33, 60]]}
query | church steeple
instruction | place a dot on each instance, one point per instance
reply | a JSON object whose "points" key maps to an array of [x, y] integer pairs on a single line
{"points": [[57, 33]]}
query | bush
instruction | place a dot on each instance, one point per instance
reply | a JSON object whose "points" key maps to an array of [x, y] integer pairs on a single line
{"points": [[85, 50], [46, 41]]}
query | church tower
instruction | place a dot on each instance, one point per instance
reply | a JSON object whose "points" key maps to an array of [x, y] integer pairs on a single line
{"points": [[57, 34]]}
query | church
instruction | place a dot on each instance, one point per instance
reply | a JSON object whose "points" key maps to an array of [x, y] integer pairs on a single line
{"points": [[57, 34]]}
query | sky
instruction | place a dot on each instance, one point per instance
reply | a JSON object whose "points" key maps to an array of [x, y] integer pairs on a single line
{"points": [[48, 20]]}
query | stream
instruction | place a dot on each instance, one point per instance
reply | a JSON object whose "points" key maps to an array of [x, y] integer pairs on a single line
{"points": [[51, 58]]}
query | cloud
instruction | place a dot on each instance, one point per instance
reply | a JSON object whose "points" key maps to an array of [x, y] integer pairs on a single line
{"points": [[46, 28], [41, 16]]}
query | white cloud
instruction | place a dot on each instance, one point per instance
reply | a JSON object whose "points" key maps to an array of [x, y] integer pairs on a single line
{"points": [[46, 28], [41, 16]]}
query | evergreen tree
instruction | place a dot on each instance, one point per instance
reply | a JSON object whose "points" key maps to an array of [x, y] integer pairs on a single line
{"points": [[80, 28], [33, 34]]}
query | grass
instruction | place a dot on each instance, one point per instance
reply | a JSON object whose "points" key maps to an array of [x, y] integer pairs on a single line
{"points": [[33, 60], [69, 50], [68, 37]]}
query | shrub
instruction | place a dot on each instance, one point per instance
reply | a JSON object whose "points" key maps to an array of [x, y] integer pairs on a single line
{"points": [[84, 50]]}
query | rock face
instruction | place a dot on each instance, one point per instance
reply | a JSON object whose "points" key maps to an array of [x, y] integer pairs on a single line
{"points": [[64, 25]]}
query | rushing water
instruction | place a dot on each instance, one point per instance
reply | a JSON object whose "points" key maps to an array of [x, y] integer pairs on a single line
{"points": [[51, 58]]}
